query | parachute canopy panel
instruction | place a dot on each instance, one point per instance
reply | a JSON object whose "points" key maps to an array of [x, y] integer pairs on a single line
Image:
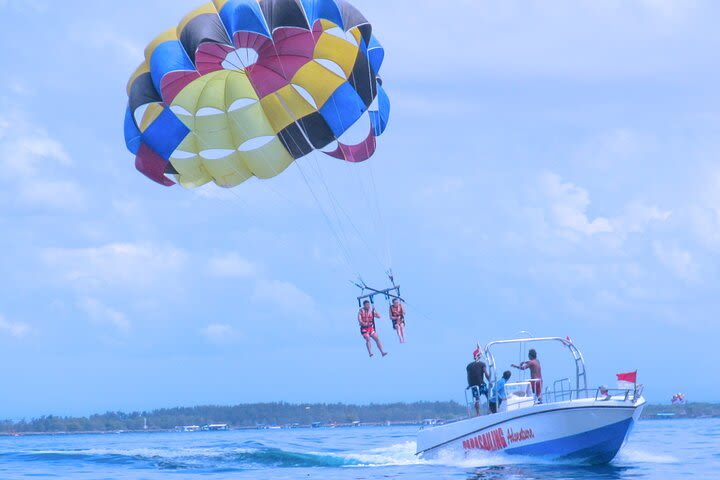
{"points": [[242, 88]]}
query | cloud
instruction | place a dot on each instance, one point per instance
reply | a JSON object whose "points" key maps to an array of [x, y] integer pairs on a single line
{"points": [[34, 165], [14, 329], [607, 149], [704, 213], [105, 39], [25, 154], [677, 260], [559, 38], [117, 264], [231, 265], [60, 194], [637, 217], [103, 314], [284, 296], [220, 333], [36, 6], [567, 205], [444, 187]]}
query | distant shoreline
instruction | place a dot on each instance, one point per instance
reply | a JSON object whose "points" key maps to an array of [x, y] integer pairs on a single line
{"points": [[286, 415], [688, 410]]}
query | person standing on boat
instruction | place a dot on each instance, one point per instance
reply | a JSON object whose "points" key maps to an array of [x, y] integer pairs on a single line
{"points": [[477, 373], [535, 373], [397, 315], [498, 392], [366, 319]]}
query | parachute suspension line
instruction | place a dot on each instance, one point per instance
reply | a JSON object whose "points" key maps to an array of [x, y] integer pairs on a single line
{"points": [[373, 207], [367, 201], [333, 202], [338, 233], [378, 210], [385, 233], [265, 154], [372, 217], [343, 248], [341, 244], [338, 206]]}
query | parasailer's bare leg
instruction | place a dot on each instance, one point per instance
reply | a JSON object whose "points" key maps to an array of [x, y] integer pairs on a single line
{"points": [[367, 343], [377, 341], [401, 331]]}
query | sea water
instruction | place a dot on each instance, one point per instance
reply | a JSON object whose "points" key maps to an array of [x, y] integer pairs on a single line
{"points": [[658, 449]]}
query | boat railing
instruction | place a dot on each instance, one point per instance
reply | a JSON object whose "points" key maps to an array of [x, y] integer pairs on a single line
{"points": [[470, 403], [520, 395], [561, 390]]}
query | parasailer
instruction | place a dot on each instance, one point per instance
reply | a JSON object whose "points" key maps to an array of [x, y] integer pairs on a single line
{"points": [[366, 319], [392, 294], [678, 399], [397, 315]]}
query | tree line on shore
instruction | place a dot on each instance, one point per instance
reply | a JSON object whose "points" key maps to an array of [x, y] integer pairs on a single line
{"points": [[247, 415], [250, 415]]}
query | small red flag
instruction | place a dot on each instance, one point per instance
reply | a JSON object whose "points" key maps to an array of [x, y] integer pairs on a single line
{"points": [[630, 377]]}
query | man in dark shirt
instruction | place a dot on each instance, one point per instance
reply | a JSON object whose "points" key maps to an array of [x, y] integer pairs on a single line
{"points": [[477, 373]]}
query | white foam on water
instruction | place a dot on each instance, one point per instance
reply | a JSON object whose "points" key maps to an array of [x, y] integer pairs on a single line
{"points": [[149, 453], [634, 455], [398, 454], [403, 454]]}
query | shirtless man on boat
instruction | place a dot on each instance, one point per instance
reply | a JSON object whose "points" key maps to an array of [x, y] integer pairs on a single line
{"points": [[366, 319], [533, 364]]}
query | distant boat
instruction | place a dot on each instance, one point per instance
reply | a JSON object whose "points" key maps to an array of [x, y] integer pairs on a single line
{"points": [[216, 427], [573, 423], [187, 428]]}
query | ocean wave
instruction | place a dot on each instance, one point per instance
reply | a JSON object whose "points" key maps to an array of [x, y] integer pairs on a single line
{"points": [[186, 458]]}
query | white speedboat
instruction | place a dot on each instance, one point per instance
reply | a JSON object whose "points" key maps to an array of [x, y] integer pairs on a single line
{"points": [[572, 423]]}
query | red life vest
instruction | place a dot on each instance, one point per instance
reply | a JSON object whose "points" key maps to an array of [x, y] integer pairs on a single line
{"points": [[367, 317]]}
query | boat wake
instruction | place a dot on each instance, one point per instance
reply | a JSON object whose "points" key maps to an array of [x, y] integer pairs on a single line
{"points": [[226, 459], [256, 455]]}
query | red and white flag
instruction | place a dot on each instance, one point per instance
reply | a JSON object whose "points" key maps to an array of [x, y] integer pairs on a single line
{"points": [[627, 380]]}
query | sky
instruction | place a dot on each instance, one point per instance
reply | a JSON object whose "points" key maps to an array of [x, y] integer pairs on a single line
{"points": [[549, 167]]}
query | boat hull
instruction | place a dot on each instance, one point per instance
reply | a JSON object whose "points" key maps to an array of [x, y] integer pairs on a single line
{"points": [[582, 431]]}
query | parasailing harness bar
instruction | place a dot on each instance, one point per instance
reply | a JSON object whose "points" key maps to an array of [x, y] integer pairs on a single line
{"points": [[388, 293]]}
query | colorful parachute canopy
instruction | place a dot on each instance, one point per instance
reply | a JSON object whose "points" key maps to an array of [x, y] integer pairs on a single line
{"points": [[242, 88]]}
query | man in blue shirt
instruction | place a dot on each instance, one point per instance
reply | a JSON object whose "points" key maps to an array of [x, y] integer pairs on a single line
{"points": [[498, 392]]}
